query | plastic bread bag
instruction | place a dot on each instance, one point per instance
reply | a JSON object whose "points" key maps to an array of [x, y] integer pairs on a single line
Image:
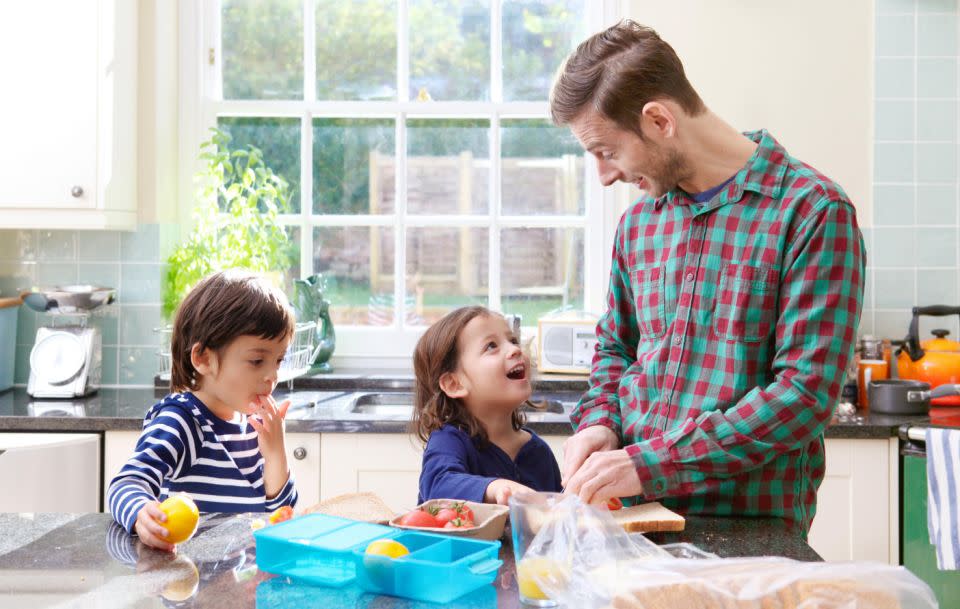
{"points": [[594, 564]]}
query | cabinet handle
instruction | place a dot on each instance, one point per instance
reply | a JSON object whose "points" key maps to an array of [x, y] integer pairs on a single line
{"points": [[77, 191], [299, 453]]}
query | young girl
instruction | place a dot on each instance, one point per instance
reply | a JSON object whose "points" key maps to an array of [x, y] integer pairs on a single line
{"points": [[219, 435], [471, 380]]}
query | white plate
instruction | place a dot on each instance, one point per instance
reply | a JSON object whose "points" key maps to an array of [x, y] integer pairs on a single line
{"points": [[57, 358]]}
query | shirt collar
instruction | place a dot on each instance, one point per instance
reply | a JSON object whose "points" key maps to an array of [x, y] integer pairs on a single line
{"points": [[762, 174]]}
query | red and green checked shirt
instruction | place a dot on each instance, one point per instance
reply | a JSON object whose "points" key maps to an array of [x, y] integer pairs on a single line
{"points": [[721, 356]]}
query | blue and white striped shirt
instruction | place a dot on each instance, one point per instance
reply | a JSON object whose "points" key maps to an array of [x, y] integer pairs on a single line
{"points": [[186, 448]]}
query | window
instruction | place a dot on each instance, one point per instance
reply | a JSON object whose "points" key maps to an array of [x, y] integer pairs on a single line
{"points": [[415, 136]]}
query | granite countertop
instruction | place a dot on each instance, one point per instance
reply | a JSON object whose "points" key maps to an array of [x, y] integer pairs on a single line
{"points": [[86, 560], [328, 410]]}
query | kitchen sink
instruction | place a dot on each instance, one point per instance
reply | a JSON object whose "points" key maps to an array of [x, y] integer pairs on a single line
{"points": [[400, 405]]}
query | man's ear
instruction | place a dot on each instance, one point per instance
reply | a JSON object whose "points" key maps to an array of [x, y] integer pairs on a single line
{"points": [[658, 118], [451, 385], [204, 360]]}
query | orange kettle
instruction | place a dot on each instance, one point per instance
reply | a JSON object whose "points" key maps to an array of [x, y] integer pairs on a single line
{"points": [[936, 360]]}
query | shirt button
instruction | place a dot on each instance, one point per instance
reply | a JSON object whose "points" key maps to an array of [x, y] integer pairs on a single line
{"points": [[676, 340], [658, 485], [689, 276]]}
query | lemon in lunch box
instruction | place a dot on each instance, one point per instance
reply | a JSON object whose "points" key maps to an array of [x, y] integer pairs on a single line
{"points": [[387, 547], [378, 562]]}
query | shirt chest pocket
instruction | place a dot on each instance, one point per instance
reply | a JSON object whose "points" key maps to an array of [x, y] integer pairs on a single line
{"points": [[648, 299], [745, 309]]}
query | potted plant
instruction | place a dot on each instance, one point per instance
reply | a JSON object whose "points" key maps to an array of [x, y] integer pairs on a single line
{"points": [[236, 224]]}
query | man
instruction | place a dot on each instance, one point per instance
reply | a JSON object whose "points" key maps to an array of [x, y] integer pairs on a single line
{"points": [[735, 295]]}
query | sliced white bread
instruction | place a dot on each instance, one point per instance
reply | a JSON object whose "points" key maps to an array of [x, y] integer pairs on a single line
{"points": [[648, 518]]}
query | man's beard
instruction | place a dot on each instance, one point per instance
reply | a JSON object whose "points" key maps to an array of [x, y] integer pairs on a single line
{"points": [[670, 167]]}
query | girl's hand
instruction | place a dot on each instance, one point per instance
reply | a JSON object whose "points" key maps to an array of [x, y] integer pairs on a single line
{"points": [[149, 529], [500, 490], [267, 419]]}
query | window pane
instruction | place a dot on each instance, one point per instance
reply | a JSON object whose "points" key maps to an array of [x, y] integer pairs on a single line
{"points": [[278, 139], [537, 36], [262, 42], [357, 262], [448, 166], [356, 49], [353, 166], [542, 171], [450, 50], [458, 277], [555, 281]]}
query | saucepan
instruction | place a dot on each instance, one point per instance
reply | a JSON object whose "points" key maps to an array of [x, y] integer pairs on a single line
{"points": [[906, 397]]}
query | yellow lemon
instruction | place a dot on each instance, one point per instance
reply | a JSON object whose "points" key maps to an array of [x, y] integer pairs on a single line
{"points": [[182, 517], [534, 569], [387, 547]]}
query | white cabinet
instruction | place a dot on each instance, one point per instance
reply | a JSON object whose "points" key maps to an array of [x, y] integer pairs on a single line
{"points": [[69, 75], [49, 472], [385, 464], [303, 458], [857, 504]]}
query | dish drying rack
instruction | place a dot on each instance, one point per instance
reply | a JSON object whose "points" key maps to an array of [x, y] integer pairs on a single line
{"points": [[296, 361]]}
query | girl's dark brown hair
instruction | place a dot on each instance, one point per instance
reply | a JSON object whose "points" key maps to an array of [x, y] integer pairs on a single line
{"points": [[437, 353], [220, 308], [618, 71]]}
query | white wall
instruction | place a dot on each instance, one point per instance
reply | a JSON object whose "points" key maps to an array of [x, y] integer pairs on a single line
{"points": [[803, 69]]}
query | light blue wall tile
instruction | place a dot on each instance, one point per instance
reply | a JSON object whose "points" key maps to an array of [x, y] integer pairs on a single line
{"points": [[895, 77], [868, 291], [111, 366], [893, 205], [21, 366], [98, 246], [936, 35], [894, 120], [16, 277], [893, 247], [895, 35], [891, 324], [140, 283], [936, 162], [932, 6], [137, 323], [56, 245], [18, 245], [895, 7], [26, 326], [142, 245], [104, 274], [56, 273], [893, 162], [937, 78], [138, 366], [937, 204], [895, 288], [937, 121], [937, 247], [937, 287], [928, 324], [108, 320]]}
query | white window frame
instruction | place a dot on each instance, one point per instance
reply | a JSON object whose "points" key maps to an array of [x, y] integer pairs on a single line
{"points": [[390, 346]]}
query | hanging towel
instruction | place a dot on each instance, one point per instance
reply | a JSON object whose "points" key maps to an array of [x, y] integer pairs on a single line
{"points": [[943, 495]]}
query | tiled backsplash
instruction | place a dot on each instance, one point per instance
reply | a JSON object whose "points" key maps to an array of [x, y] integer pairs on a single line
{"points": [[912, 249], [127, 261]]}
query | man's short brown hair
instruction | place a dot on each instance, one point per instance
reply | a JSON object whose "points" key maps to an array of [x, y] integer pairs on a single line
{"points": [[617, 72]]}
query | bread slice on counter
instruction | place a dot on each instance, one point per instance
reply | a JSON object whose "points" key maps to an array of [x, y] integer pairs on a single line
{"points": [[368, 507], [648, 518]]}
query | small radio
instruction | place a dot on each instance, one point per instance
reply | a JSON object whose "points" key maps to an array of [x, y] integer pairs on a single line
{"points": [[566, 344]]}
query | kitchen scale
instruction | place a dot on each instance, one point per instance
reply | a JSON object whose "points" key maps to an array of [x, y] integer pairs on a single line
{"points": [[65, 361]]}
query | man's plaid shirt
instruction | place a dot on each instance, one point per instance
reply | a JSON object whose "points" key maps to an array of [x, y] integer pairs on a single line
{"points": [[721, 356]]}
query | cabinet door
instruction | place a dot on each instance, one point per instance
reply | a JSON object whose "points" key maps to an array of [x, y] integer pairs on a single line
{"points": [[50, 78], [857, 502], [49, 472], [117, 448], [385, 464]]}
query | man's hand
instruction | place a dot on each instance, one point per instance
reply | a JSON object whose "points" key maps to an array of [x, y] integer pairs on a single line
{"points": [[582, 444], [605, 474], [149, 529], [500, 490]]}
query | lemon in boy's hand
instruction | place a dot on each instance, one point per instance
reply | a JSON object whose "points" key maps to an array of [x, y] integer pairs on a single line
{"points": [[182, 517], [387, 547]]}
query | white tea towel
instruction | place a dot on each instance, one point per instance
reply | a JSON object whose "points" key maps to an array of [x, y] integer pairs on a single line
{"points": [[943, 495]]}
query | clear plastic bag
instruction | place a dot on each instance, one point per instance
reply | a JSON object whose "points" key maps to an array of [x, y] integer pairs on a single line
{"points": [[595, 564]]}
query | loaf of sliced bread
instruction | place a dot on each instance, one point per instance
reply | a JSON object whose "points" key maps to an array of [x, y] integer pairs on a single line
{"points": [[648, 518], [367, 507]]}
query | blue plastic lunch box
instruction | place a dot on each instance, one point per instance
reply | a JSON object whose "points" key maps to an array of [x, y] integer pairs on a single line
{"points": [[330, 551]]}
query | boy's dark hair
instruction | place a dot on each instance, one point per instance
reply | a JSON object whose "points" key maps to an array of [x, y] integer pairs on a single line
{"points": [[220, 308], [437, 353], [617, 72]]}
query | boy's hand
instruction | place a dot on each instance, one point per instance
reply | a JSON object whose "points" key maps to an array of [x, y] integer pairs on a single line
{"points": [[149, 529], [499, 491], [267, 418]]}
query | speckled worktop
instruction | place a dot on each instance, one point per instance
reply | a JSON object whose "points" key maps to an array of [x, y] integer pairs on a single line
{"points": [[86, 560]]}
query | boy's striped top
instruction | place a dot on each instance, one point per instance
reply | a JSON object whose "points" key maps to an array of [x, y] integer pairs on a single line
{"points": [[184, 447]]}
